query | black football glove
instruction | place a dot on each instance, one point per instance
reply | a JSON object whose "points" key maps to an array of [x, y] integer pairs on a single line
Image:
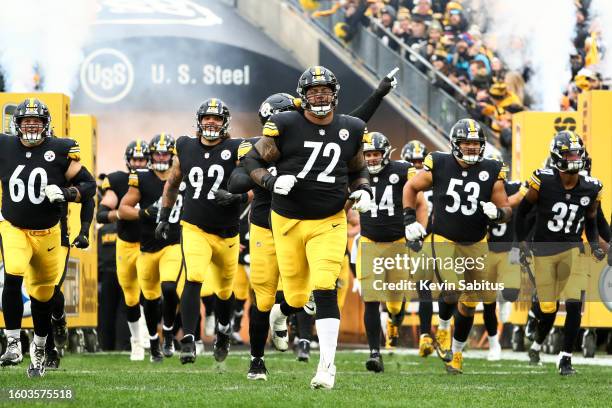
{"points": [[163, 227], [416, 246], [225, 198], [388, 83], [149, 213]]}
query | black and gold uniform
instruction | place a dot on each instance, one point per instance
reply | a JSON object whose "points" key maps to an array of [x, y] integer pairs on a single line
{"points": [[210, 230], [128, 246], [313, 211]]}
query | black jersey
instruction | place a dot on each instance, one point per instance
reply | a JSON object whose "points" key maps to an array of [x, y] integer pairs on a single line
{"points": [[205, 170], [457, 193], [318, 157], [128, 231], [561, 212], [26, 171], [501, 235], [151, 189], [385, 222], [107, 246]]}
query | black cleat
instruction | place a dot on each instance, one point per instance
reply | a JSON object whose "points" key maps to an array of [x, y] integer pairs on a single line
{"points": [[221, 346], [168, 348], [303, 350], [155, 350], [257, 370], [188, 349], [565, 366], [375, 362], [534, 357], [52, 359], [60, 332]]}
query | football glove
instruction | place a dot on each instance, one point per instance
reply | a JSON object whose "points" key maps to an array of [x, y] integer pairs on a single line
{"points": [[491, 211], [388, 83], [57, 194], [514, 257], [415, 231], [149, 213], [356, 286], [163, 227], [225, 198], [362, 200], [81, 241], [416, 246], [283, 184]]}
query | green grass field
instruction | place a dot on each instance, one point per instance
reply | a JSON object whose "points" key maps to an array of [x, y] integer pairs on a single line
{"points": [[112, 380]]}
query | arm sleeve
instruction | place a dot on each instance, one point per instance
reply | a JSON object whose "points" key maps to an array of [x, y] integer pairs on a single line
{"points": [[240, 181], [85, 183], [602, 225], [86, 215], [366, 110], [102, 214], [521, 227]]}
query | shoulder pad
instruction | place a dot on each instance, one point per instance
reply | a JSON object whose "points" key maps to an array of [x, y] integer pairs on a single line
{"points": [[244, 148]]}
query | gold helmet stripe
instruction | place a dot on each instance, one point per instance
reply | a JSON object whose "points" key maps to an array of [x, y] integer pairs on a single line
{"points": [[317, 71]]}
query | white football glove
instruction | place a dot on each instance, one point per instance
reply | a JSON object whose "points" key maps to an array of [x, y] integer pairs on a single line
{"points": [[415, 231], [284, 184], [362, 199], [54, 193], [356, 286], [490, 210], [514, 256], [391, 76]]}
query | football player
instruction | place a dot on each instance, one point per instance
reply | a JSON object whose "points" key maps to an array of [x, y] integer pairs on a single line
{"points": [[384, 223], [415, 152], [210, 222], [35, 168], [159, 263], [318, 158], [468, 193], [114, 188], [566, 204], [499, 241]]}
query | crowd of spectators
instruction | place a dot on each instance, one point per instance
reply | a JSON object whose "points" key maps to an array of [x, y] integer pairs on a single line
{"points": [[442, 33]]}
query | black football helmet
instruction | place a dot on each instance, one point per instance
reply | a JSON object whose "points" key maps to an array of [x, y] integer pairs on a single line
{"points": [[32, 108], [278, 102], [162, 143], [413, 151], [376, 142], [316, 76], [137, 149], [567, 152], [215, 107], [467, 130]]}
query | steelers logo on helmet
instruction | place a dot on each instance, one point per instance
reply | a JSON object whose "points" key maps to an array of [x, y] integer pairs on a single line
{"points": [[376, 151], [567, 152], [137, 154], [162, 151], [276, 103], [213, 119], [32, 121], [468, 141], [313, 93]]}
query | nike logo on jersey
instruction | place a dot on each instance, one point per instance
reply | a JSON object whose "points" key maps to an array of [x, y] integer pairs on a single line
{"points": [[232, 245], [50, 249], [335, 225]]}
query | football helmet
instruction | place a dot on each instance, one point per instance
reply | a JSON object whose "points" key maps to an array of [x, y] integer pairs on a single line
{"points": [[376, 142], [413, 151], [467, 130], [32, 108], [278, 102], [215, 107], [317, 76], [162, 143], [505, 170], [567, 152], [136, 149]]}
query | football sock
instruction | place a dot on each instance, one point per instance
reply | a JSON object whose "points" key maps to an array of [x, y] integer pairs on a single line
{"points": [[490, 318], [57, 310], [371, 320], [259, 325], [134, 329], [190, 307], [328, 324], [304, 325], [463, 325], [288, 310], [444, 324], [152, 312], [50, 344], [445, 310], [40, 340], [12, 304], [493, 340], [425, 310], [133, 313], [14, 333], [458, 346], [536, 346], [170, 302], [41, 317], [544, 326], [238, 313], [209, 304], [572, 324], [224, 310]]}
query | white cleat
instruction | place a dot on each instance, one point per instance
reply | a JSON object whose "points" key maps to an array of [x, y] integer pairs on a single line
{"points": [[12, 355], [199, 344], [209, 325], [138, 351], [37, 366], [494, 352], [278, 329], [324, 378]]}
